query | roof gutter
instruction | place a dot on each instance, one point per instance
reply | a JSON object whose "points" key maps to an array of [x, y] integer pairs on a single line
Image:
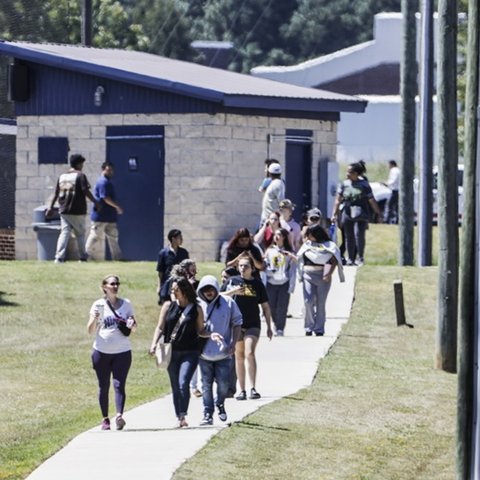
{"points": [[308, 104]]}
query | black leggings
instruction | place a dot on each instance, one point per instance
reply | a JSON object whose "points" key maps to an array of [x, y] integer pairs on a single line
{"points": [[117, 365]]}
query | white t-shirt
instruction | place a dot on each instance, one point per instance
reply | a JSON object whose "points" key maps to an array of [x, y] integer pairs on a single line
{"points": [[394, 178], [272, 197], [109, 339]]}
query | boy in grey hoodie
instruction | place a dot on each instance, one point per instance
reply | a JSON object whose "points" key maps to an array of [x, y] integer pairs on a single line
{"points": [[224, 320]]}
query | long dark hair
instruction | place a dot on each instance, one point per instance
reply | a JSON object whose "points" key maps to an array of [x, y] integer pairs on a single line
{"points": [[240, 233], [186, 288], [318, 233], [286, 239]]}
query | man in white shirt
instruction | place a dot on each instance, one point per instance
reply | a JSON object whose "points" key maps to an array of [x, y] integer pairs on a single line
{"points": [[274, 193], [393, 182]]}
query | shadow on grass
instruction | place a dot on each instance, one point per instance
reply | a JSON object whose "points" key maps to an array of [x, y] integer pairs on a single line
{"points": [[6, 303], [258, 426]]}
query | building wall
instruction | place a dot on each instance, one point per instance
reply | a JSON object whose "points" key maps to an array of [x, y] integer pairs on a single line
{"points": [[213, 167]]}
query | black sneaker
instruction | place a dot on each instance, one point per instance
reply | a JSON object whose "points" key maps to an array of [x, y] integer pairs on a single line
{"points": [[254, 395], [308, 333], [242, 396], [207, 419], [222, 414]]}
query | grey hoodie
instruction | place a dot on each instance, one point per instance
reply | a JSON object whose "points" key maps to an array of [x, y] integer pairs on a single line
{"points": [[221, 315]]}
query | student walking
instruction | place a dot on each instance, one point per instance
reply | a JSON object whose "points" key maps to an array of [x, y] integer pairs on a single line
{"points": [[181, 323], [104, 218], [112, 321], [248, 292], [354, 199], [317, 259], [223, 323], [280, 269], [72, 190], [169, 256]]}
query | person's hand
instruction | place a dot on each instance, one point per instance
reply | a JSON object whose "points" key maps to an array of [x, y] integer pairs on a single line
{"points": [[130, 322], [333, 219], [379, 218], [217, 338], [48, 212], [119, 210], [152, 350], [269, 332]]}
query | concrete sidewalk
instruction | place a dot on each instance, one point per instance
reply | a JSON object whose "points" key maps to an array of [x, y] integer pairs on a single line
{"points": [[151, 447]]}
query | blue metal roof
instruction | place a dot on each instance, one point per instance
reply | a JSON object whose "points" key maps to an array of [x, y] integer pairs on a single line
{"points": [[232, 90]]}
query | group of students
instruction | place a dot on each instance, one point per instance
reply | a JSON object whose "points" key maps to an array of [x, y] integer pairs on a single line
{"points": [[217, 328], [211, 326]]}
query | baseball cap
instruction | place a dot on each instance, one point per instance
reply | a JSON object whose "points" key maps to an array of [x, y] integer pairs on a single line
{"points": [[286, 204], [275, 169], [314, 212]]}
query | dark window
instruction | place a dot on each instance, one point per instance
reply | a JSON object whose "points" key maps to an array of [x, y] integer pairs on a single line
{"points": [[53, 150]]}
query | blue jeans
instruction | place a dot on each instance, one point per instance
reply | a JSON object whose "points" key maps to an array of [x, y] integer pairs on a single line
{"points": [[220, 372], [181, 368], [315, 292]]}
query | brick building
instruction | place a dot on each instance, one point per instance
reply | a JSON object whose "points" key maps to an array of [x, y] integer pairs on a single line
{"points": [[188, 142]]}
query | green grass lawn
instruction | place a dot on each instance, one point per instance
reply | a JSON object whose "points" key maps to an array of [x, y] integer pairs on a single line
{"points": [[48, 390], [376, 410]]}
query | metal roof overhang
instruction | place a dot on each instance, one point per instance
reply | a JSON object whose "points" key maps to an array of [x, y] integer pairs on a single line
{"points": [[283, 103], [240, 101], [109, 72]]}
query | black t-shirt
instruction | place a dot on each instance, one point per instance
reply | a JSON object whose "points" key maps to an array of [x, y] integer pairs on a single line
{"points": [[71, 190], [236, 251], [255, 294], [167, 258], [186, 337]]}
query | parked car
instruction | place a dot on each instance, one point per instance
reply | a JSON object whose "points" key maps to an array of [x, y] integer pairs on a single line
{"points": [[382, 193]]}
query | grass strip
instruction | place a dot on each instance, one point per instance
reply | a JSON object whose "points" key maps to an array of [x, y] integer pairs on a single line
{"points": [[377, 409]]}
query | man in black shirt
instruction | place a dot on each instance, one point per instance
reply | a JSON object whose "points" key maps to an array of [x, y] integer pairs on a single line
{"points": [[72, 190]]}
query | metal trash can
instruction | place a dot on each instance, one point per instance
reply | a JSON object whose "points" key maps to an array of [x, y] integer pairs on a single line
{"points": [[47, 230]]}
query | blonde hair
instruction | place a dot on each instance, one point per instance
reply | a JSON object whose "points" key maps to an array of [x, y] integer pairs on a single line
{"points": [[105, 281]]}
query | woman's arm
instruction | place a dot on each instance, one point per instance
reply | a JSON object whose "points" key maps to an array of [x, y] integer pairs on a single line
{"points": [[92, 322], [160, 327], [268, 318], [373, 203], [200, 323], [258, 263], [259, 237], [336, 206]]}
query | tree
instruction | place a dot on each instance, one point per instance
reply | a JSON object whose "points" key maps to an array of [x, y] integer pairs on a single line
{"points": [[166, 27]]}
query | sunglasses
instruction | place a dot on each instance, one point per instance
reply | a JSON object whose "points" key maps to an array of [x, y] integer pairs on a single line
{"points": [[114, 284]]}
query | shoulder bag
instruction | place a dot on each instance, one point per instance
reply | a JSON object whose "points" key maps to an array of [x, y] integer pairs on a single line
{"points": [[163, 351], [122, 325]]}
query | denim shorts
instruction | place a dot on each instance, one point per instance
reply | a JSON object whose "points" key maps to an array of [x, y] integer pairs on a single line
{"points": [[249, 332]]}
